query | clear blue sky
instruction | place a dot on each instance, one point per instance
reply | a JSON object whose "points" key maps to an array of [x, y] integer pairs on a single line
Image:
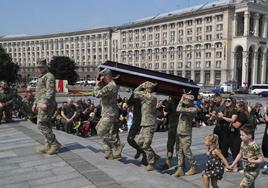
{"points": [[34, 17]]}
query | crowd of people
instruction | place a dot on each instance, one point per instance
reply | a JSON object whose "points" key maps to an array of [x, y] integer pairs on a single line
{"points": [[234, 121]]}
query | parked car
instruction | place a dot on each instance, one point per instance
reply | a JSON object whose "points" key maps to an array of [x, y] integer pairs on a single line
{"points": [[264, 94], [207, 94]]}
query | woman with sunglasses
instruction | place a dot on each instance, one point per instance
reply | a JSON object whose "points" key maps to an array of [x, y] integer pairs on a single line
{"points": [[241, 120], [227, 117]]}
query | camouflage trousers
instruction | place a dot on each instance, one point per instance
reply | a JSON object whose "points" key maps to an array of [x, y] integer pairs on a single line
{"points": [[249, 179], [145, 140], [107, 130], [44, 124], [183, 144], [8, 113]]}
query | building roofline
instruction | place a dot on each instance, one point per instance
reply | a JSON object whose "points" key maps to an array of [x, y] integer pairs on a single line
{"points": [[62, 34], [180, 14]]}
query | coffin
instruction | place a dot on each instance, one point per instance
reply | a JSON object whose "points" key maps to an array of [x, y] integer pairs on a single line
{"points": [[130, 76]]}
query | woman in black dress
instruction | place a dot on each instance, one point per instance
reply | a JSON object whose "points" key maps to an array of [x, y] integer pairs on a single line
{"points": [[242, 119], [225, 119]]}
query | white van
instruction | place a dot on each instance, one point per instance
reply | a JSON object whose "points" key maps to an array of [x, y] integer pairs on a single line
{"points": [[258, 88]]}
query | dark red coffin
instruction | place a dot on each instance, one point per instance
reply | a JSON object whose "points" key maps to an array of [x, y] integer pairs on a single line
{"points": [[130, 76]]}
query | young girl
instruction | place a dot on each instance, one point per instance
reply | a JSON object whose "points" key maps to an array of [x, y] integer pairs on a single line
{"points": [[216, 162], [251, 154]]}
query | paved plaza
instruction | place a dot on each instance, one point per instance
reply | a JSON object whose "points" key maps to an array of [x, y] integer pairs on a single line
{"points": [[80, 164]]}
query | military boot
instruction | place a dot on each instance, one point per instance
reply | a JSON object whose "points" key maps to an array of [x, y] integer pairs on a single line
{"points": [[191, 171], [118, 150], [149, 167], [54, 148], [44, 148], [108, 155], [179, 172]]}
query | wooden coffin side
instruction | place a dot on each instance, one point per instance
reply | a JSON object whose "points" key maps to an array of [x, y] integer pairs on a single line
{"points": [[166, 88]]}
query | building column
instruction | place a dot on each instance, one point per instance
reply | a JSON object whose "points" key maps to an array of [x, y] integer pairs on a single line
{"points": [[263, 70], [245, 69], [202, 66], [246, 23], [256, 24], [212, 67], [231, 74], [235, 25], [265, 24], [255, 68]]}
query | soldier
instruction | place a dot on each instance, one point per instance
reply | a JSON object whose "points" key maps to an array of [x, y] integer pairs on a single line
{"points": [[135, 128], [45, 104], [107, 129], [26, 105], [7, 97], [170, 109], [187, 112], [148, 121]]}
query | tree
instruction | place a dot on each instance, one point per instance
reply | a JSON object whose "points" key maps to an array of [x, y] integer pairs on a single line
{"points": [[8, 69], [64, 68]]}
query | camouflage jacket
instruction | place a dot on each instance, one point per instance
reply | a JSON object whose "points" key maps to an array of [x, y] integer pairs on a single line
{"points": [[148, 106], [185, 119], [108, 95], [45, 89], [7, 96], [252, 150]]}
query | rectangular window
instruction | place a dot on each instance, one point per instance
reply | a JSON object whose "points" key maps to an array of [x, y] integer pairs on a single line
{"points": [[219, 27]]}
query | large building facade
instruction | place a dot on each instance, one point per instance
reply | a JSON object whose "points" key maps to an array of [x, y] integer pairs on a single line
{"points": [[210, 44], [87, 48]]}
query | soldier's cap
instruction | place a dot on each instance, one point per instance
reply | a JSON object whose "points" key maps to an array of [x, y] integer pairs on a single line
{"points": [[41, 63], [105, 72], [188, 99], [148, 84]]}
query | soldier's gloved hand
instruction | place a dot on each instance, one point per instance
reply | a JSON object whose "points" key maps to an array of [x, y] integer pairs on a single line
{"points": [[43, 107], [1, 105]]}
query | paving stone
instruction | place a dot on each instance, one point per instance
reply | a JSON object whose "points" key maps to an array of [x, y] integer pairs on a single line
{"points": [[54, 179], [7, 154], [17, 185], [24, 177], [72, 183], [39, 162], [51, 166], [15, 172]]}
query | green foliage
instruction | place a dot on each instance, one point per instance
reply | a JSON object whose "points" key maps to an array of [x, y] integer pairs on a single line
{"points": [[8, 69], [64, 68]]}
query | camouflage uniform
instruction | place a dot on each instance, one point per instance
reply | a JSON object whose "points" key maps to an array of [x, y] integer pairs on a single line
{"points": [[251, 171], [45, 94], [25, 107], [106, 127], [7, 97], [184, 132], [148, 120]]}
